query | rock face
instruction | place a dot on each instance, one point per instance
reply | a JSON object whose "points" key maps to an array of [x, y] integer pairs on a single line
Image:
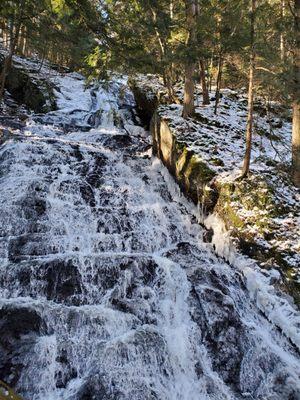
{"points": [[19, 329], [147, 101], [27, 86], [191, 173]]}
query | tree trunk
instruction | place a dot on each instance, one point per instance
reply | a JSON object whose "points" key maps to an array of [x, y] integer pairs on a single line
{"points": [[190, 64], [205, 93], [189, 87], [42, 60], [249, 129], [168, 83], [22, 41], [218, 85], [171, 9], [13, 44], [211, 66], [296, 99], [7, 64], [282, 36]]}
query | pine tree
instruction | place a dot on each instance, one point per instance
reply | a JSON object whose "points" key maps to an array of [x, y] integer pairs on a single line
{"points": [[249, 130], [296, 98], [192, 13], [16, 15]]}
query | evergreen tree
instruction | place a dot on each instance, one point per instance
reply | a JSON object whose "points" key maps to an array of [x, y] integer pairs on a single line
{"points": [[250, 92], [192, 13], [14, 12], [296, 98], [174, 39]]}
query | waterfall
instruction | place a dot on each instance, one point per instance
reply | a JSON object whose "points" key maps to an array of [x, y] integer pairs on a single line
{"points": [[107, 288]]}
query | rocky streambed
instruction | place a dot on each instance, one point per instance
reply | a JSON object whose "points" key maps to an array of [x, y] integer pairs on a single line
{"points": [[108, 287]]}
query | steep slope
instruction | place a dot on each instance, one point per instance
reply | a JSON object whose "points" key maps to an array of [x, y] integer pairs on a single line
{"points": [[108, 290]]}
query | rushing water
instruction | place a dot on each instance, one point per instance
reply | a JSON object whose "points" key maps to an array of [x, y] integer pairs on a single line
{"points": [[108, 290]]}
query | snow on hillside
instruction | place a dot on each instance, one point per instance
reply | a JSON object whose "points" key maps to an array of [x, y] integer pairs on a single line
{"points": [[268, 207]]}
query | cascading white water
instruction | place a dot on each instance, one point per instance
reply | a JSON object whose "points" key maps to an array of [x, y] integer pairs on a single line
{"points": [[107, 288]]}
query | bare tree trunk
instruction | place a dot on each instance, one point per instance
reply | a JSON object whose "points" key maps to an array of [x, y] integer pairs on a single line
{"points": [[24, 50], [192, 11], [205, 93], [171, 9], [282, 36], [42, 60], [296, 99], [189, 88], [168, 72], [219, 79], [5, 37], [172, 66], [22, 41], [249, 129], [168, 83], [7, 65], [210, 73]]}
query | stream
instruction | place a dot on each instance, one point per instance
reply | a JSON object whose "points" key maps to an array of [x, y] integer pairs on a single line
{"points": [[108, 289]]}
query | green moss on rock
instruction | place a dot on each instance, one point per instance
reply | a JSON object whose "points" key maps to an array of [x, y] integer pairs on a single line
{"points": [[7, 393]]}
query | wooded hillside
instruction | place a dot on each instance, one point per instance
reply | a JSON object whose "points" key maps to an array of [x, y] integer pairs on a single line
{"points": [[234, 44]]}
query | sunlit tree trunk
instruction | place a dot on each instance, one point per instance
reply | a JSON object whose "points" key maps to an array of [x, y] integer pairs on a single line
{"points": [[210, 69], [5, 37], [167, 71], [189, 88], [296, 99], [282, 36], [219, 80], [205, 93], [22, 41], [249, 129], [192, 10], [171, 9]]}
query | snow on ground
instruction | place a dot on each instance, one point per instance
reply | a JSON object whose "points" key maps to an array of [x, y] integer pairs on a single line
{"points": [[169, 338], [220, 141]]}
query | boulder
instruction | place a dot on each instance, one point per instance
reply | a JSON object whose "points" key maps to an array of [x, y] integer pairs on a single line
{"points": [[28, 87], [19, 329]]}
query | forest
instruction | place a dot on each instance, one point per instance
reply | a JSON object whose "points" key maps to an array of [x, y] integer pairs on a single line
{"points": [[225, 43], [149, 199]]}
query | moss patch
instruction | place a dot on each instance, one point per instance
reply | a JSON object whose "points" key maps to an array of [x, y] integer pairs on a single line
{"points": [[6, 393]]}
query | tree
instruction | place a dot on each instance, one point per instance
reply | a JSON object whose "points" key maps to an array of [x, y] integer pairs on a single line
{"points": [[62, 31], [203, 81], [249, 129], [16, 13], [282, 35], [296, 98], [192, 12]]}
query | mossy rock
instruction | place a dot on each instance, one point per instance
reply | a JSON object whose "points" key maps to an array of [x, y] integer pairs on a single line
{"points": [[272, 257], [225, 209], [218, 162], [255, 196], [198, 171], [194, 174], [6, 393]]}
